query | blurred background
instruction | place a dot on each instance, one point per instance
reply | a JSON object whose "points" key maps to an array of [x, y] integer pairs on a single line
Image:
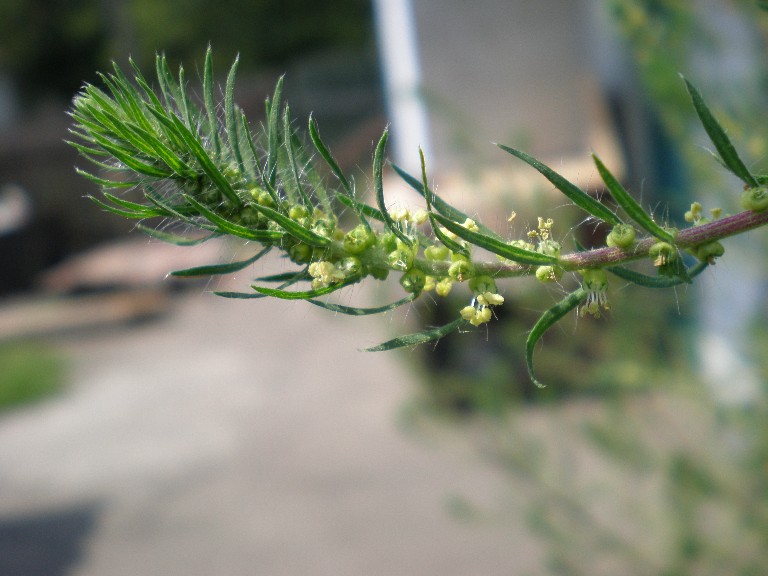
{"points": [[149, 427]]}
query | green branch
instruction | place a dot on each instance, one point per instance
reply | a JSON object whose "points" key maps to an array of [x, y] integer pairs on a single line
{"points": [[203, 168]]}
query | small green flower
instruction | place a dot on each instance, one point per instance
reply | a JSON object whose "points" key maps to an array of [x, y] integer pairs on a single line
{"points": [[358, 239], [461, 270], [476, 315], [549, 273], [400, 259], [443, 287], [436, 252], [621, 236], [595, 282], [413, 281], [709, 251], [324, 274], [755, 199], [662, 253]]}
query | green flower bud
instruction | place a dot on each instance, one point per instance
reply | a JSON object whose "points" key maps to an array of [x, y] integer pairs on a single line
{"points": [[358, 239], [709, 251], [662, 253], [443, 288], [594, 279], [351, 266], [549, 273], [263, 197], [297, 212], [249, 216], [482, 284], [413, 281], [400, 259], [755, 199], [300, 253], [621, 236], [436, 252], [389, 242], [324, 227], [461, 270]]}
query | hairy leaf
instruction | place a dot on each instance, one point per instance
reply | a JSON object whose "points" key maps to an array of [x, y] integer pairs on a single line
{"points": [[719, 138], [493, 245], [292, 227], [573, 192], [355, 311], [314, 134], [303, 295], [216, 269], [230, 227], [418, 337], [657, 281], [547, 320], [629, 204], [378, 188]]}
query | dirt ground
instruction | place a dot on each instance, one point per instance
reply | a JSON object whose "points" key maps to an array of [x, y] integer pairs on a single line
{"points": [[243, 437]]}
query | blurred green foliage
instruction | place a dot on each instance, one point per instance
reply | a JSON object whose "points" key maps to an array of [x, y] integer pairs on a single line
{"points": [[29, 371], [50, 48]]}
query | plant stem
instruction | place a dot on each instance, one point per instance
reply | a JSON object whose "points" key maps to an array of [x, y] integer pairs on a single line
{"points": [[601, 257]]}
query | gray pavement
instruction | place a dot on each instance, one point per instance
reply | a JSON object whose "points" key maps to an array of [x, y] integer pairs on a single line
{"points": [[243, 437]]}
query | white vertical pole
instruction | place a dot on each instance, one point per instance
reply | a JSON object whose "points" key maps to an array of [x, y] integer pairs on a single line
{"points": [[396, 33]]}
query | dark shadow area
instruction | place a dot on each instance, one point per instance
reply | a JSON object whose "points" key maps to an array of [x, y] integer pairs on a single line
{"points": [[45, 544]]}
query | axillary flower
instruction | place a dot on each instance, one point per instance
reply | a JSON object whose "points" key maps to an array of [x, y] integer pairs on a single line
{"points": [[595, 282], [324, 274], [484, 289]]}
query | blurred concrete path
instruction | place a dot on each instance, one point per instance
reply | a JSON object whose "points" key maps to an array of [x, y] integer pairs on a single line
{"points": [[237, 438]]}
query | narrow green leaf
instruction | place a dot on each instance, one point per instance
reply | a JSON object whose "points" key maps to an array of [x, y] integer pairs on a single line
{"points": [[629, 204], [217, 269], [206, 163], [128, 205], [289, 146], [240, 295], [360, 207], [314, 135], [657, 281], [273, 133], [209, 101], [175, 238], [230, 118], [449, 243], [378, 188], [547, 320], [354, 311], [493, 245], [438, 203], [719, 138], [292, 227], [132, 161], [123, 213], [287, 277], [573, 192], [418, 337], [303, 295], [104, 182], [230, 227]]}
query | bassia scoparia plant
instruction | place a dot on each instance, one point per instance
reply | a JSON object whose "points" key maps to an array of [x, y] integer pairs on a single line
{"points": [[205, 167]]}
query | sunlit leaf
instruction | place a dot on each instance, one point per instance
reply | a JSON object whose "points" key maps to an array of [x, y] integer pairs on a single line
{"points": [[629, 204], [494, 245], [418, 337], [573, 192], [719, 138]]}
